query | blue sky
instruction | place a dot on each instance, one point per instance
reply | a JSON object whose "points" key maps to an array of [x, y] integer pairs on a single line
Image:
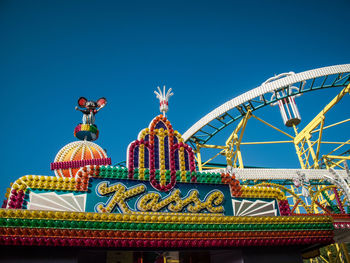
{"points": [[52, 52]]}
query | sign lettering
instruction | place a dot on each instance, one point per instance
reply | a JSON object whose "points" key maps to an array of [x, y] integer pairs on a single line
{"points": [[154, 202]]}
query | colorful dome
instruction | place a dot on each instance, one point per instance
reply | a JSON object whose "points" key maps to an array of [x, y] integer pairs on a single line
{"points": [[76, 155]]}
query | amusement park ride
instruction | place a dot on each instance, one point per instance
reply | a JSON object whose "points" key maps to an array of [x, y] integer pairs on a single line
{"points": [[169, 201]]}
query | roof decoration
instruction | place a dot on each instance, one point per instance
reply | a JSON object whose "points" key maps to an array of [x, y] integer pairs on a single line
{"points": [[78, 154], [161, 150], [84, 152], [88, 130], [45, 228], [163, 99]]}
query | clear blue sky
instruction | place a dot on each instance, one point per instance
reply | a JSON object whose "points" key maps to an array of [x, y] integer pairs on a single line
{"points": [[52, 52]]}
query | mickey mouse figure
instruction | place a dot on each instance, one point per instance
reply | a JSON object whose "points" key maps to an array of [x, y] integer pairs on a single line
{"points": [[91, 108]]}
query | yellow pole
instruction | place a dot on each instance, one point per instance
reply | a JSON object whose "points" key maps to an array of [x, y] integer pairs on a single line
{"points": [[310, 128], [199, 158], [319, 138], [311, 150], [329, 254], [273, 127], [346, 252]]}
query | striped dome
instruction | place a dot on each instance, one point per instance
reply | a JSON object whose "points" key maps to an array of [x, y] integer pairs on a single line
{"points": [[78, 154]]}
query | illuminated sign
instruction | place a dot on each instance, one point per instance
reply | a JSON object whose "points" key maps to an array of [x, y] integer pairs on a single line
{"points": [[128, 196]]}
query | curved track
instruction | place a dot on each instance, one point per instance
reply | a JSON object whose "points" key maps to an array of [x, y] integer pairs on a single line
{"points": [[224, 115]]}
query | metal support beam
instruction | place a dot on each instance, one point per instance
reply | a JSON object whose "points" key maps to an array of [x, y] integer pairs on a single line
{"points": [[233, 143], [305, 147]]}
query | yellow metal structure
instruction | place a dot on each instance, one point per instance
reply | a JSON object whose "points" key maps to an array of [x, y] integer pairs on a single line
{"points": [[309, 157], [308, 150], [334, 253], [233, 143], [232, 149], [307, 144]]}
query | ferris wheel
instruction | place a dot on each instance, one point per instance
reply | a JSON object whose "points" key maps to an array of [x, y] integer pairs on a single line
{"points": [[306, 190]]}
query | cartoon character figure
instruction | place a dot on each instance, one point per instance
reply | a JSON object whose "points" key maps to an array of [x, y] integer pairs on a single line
{"points": [[91, 108]]}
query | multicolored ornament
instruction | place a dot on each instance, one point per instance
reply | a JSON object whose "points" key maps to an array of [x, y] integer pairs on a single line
{"points": [[86, 132], [78, 154], [160, 148]]}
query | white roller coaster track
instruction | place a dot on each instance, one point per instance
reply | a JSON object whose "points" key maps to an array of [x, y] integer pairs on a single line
{"points": [[280, 174], [261, 90]]}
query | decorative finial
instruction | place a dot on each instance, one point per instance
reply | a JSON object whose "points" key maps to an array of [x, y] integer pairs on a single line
{"points": [[88, 131], [163, 99]]}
